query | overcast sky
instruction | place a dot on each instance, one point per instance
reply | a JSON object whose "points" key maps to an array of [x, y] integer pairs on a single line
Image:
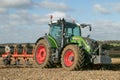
{"points": [[26, 20]]}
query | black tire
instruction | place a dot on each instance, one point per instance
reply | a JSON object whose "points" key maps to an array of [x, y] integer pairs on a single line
{"points": [[78, 58], [43, 54]]}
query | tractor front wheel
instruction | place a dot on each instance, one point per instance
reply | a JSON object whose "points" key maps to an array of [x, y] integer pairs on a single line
{"points": [[43, 54], [72, 58]]}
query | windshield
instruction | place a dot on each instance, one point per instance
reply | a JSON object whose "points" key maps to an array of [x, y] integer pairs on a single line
{"points": [[72, 29]]}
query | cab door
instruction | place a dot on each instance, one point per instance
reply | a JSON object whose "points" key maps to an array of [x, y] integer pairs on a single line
{"points": [[56, 33]]}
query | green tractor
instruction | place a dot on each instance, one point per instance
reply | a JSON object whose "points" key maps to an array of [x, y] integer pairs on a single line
{"points": [[64, 45]]}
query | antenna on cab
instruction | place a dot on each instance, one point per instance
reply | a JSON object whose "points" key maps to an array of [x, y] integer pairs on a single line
{"points": [[51, 17]]}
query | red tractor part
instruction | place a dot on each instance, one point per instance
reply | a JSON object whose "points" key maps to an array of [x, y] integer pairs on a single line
{"points": [[41, 54], [19, 52], [69, 58]]}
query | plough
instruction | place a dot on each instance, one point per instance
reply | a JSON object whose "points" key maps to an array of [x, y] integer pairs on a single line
{"points": [[17, 52]]}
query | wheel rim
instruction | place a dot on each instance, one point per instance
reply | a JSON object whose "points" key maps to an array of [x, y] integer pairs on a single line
{"points": [[69, 58], [41, 54]]}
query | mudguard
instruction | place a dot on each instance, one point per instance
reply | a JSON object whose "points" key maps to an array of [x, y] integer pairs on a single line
{"points": [[52, 43]]}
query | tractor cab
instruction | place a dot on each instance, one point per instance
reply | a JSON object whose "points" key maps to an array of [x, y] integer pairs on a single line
{"points": [[63, 31]]}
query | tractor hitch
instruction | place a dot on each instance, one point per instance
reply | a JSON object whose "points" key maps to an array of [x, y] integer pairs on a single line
{"points": [[101, 57]]}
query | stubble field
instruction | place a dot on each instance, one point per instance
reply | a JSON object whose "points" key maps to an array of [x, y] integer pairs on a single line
{"points": [[24, 72]]}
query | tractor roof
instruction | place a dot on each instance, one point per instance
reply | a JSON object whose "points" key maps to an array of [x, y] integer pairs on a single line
{"points": [[71, 23]]}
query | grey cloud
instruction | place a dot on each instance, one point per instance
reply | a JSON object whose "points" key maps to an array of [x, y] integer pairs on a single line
{"points": [[5, 5], [106, 30], [23, 17], [53, 6], [113, 7], [101, 9], [116, 7], [3, 10], [15, 3]]}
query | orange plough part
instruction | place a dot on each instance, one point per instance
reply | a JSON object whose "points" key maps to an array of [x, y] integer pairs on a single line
{"points": [[17, 55]]}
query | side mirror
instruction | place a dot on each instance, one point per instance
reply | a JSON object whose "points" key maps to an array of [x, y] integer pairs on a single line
{"points": [[90, 28], [85, 25]]}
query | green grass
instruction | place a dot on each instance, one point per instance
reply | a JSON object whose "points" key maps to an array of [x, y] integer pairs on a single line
{"points": [[115, 44]]}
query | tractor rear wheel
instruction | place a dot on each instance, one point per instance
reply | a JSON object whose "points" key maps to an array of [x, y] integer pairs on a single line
{"points": [[43, 54], [72, 58]]}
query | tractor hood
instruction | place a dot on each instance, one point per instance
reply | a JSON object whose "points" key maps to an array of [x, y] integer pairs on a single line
{"points": [[88, 44], [81, 42], [92, 43]]}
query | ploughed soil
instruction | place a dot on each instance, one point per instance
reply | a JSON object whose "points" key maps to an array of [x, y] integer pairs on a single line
{"points": [[33, 72]]}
